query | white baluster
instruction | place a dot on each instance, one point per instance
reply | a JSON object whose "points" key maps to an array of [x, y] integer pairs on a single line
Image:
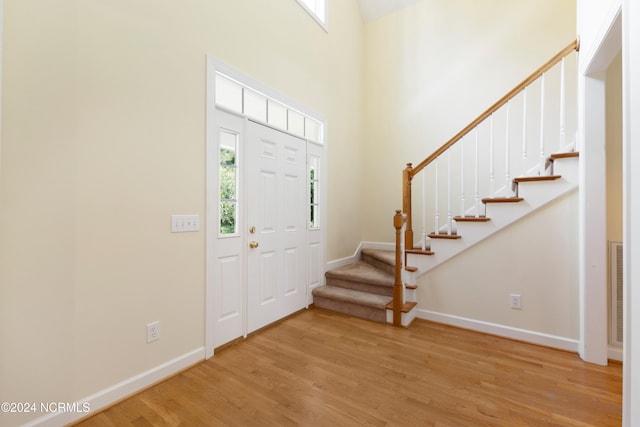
{"points": [[477, 178], [507, 183], [576, 140], [423, 241], [403, 271], [563, 139], [542, 159], [492, 175], [462, 177], [449, 217], [524, 132], [437, 204]]}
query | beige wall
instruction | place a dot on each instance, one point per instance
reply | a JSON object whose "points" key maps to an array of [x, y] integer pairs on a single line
{"points": [[614, 150], [433, 67], [536, 258], [103, 139]]}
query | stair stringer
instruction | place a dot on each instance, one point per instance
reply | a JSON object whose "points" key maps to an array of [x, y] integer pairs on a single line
{"points": [[535, 194]]}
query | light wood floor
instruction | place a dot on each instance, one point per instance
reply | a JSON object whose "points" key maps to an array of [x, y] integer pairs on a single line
{"points": [[319, 368]]}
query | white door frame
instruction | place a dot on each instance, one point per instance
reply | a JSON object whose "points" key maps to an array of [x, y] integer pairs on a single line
{"points": [[315, 238], [594, 310]]}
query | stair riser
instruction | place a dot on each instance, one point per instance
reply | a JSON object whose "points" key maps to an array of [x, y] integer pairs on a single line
{"points": [[378, 264], [536, 194], [359, 286], [406, 318], [369, 313]]}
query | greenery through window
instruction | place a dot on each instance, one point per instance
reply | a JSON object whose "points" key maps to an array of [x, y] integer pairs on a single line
{"points": [[228, 175], [314, 212]]}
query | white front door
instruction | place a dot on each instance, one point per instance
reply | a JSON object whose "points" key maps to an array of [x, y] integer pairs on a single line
{"points": [[276, 225]]}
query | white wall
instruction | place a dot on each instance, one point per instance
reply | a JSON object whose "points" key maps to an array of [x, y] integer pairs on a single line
{"points": [[631, 226], [103, 139], [595, 18]]}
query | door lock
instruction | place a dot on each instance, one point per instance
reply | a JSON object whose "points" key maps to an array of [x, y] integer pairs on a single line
{"points": [[252, 229]]}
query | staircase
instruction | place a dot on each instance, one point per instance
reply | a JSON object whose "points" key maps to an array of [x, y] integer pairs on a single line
{"points": [[364, 288], [453, 179], [530, 194]]}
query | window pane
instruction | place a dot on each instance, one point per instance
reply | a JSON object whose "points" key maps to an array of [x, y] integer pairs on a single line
{"points": [[227, 157], [255, 105], [227, 217], [228, 94], [316, 7], [311, 129], [313, 193], [277, 115], [228, 181], [296, 123]]}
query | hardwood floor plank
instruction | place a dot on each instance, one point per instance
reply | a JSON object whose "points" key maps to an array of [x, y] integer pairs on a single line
{"points": [[325, 369]]}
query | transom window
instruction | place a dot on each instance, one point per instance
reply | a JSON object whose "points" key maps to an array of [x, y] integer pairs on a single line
{"points": [[235, 96]]}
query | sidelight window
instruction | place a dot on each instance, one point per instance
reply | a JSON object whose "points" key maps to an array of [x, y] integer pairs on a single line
{"points": [[228, 178], [314, 183]]}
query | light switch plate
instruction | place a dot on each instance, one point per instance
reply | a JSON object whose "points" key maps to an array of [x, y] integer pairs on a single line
{"points": [[183, 223]]}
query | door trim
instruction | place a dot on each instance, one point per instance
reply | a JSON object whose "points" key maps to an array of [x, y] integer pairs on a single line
{"points": [[317, 236]]}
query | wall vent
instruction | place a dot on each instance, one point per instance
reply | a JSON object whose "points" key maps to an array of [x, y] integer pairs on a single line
{"points": [[616, 331]]}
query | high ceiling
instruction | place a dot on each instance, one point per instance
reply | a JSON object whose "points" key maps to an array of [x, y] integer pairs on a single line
{"points": [[374, 9]]}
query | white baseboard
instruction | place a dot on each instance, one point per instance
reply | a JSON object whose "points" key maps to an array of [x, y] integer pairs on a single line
{"points": [[533, 337], [380, 246], [615, 353], [356, 255], [110, 395]]}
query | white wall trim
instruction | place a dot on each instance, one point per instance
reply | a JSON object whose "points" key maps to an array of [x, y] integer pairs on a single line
{"points": [[378, 246], [615, 353], [214, 65], [631, 212], [603, 49], [110, 395], [341, 262], [533, 337]]}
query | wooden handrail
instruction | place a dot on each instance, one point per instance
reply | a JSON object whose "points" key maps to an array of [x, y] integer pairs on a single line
{"points": [[410, 171], [574, 45]]}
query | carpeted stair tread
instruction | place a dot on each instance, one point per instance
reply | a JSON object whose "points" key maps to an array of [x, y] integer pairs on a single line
{"points": [[387, 257], [354, 297], [363, 272]]}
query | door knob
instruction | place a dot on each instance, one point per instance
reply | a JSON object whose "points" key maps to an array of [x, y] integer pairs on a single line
{"points": [[253, 245]]}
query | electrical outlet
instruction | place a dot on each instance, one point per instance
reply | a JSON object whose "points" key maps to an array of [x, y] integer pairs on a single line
{"points": [[515, 301], [153, 331]]}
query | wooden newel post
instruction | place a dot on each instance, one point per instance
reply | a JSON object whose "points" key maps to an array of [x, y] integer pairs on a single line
{"points": [[398, 220], [406, 204]]}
